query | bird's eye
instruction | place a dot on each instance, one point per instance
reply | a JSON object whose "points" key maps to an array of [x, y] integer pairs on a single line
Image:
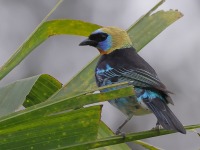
{"points": [[98, 37]]}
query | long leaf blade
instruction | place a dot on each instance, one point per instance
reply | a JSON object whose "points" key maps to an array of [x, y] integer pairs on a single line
{"points": [[50, 107], [47, 29], [104, 132], [54, 131], [119, 139], [150, 26]]}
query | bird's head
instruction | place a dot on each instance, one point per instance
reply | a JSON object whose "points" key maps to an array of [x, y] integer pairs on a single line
{"points": [[108, 39]]}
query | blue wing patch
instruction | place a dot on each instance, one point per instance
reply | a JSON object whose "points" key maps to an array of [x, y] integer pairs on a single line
{"points": [[101, 71]]}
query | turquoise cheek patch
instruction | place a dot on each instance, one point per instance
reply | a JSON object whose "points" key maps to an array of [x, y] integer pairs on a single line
{"points": [[105, 45]]}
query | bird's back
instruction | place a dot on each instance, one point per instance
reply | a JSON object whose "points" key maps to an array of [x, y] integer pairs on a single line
{"points": [[128, 65]]}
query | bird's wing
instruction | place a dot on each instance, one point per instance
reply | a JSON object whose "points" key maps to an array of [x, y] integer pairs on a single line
{"points": [[139, 77], [143, 78]]}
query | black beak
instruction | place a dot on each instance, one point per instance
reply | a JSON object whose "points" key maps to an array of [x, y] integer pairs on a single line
{"points": [[88, 42]]}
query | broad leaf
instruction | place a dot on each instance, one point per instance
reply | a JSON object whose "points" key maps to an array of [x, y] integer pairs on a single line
{"points": [[52, 107], [43, 88], [52, 132], [13, 95]]}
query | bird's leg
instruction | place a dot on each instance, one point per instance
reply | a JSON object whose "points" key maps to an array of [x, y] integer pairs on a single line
{"points": [[118, 132], [157, 127]]}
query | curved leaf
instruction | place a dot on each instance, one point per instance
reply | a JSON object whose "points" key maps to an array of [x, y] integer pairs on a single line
{"points": [[13, 95], [47, 29], [150, 26], [43, 88]]}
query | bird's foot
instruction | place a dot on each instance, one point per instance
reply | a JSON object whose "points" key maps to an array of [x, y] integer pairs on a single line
{"points": [[157, 127], [118, 132]]}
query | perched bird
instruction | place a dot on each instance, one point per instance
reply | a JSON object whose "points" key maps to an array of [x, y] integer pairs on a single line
{"points": [[120, 62]]}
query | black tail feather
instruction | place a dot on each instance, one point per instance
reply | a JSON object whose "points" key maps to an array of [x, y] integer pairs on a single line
{"points": [[165, 116]]}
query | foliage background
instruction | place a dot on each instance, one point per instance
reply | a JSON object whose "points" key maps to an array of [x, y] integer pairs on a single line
{"points": [[174, 54]]}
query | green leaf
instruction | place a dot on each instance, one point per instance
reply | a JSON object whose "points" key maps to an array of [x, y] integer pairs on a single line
{"points": [[104, 132], [55, 131], [13, 95], [146, 145], [119, 139], [150, 26], [44, 31], [43, 88], [50, 107]]}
